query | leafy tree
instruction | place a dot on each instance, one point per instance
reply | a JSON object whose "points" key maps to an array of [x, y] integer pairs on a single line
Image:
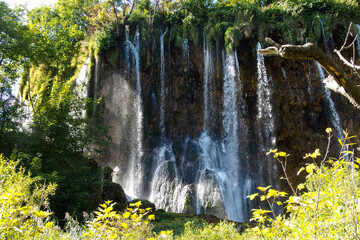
{"points": [[14, 39], [60, 135], [58, 32], [23, 201]]}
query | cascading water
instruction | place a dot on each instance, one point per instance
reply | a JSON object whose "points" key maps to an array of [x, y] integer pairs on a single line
{"points": [[333, 115], [199, 153], [265, 118], [219, 186], [162, 86], [82, 82], [132, 179], [207, 79], [186, 55], [264, 107], [309, 88], [234, 200], [358, 39], [219, 182], [166, 190], [323, 35], [208, 189]]}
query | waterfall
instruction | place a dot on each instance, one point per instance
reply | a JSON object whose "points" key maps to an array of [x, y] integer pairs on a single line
{"points": [[96, 82], [334, 116], [206, 82], [186, 55], [264, 107], [166, 189], [132, 178], [24, 114], [265, 123], [309, 88], [358, 39], [219, 182], [323, 35], [82, 83], [162, 85], [230, 146], [208, 190]]}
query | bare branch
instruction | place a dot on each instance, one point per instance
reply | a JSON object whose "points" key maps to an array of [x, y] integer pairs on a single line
{"points": [[346, 62], [129, 13], [346, 38]]}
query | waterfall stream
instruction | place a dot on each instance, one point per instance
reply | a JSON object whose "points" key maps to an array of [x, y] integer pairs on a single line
{"points": [[132, 179], [211, 172], [162, 85], [265, 119], [358, 39], [207, 82], [166, 188], [332, 113], [82, 83], [234, 202], [219, 182]]}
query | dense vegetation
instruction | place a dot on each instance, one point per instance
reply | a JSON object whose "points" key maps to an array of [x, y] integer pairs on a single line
{"points": [[45, 168], [325, 206]]}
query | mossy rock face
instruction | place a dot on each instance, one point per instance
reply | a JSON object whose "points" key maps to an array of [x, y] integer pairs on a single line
{"points": [[209, 218], [112, 191]]}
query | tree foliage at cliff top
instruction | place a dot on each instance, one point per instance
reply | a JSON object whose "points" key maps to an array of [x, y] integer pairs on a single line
{"points": [[232, 21], [58, 31]]}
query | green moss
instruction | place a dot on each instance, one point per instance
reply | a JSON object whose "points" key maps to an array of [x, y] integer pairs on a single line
{"points": [[175, 221], [232, 38]]}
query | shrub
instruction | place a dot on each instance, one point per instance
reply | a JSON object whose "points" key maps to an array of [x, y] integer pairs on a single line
{"points": [[223, 230], [325, 206], [109, 224], [23, 202]]}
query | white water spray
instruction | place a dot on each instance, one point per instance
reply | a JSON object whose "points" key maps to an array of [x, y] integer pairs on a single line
{"points": [[162, 86], [334, 116], [132, 179]]}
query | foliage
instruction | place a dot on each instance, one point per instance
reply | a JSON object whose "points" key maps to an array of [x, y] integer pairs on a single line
{"points": [[109, 224], [223, 230], [176, 222], [14, 39], [56, 34], [60, 133], [23, 202], [325, 206]]}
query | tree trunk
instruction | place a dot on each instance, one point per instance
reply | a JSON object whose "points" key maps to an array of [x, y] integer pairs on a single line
{"points": [[310, 51]]}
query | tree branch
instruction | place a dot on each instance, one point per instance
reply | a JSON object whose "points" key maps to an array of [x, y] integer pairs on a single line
{"points": [[310, 51], [116, 17], [128, 15]]}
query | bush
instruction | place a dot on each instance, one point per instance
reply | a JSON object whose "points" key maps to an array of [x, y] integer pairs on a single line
{"points": [[223, 230], [325, 206], [23, 203]]}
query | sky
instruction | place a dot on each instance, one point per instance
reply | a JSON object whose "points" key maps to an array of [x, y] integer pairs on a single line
{"points": [[30, 3]]}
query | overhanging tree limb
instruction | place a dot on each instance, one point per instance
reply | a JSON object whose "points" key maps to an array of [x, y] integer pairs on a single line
{"points": [[310, 51]]}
